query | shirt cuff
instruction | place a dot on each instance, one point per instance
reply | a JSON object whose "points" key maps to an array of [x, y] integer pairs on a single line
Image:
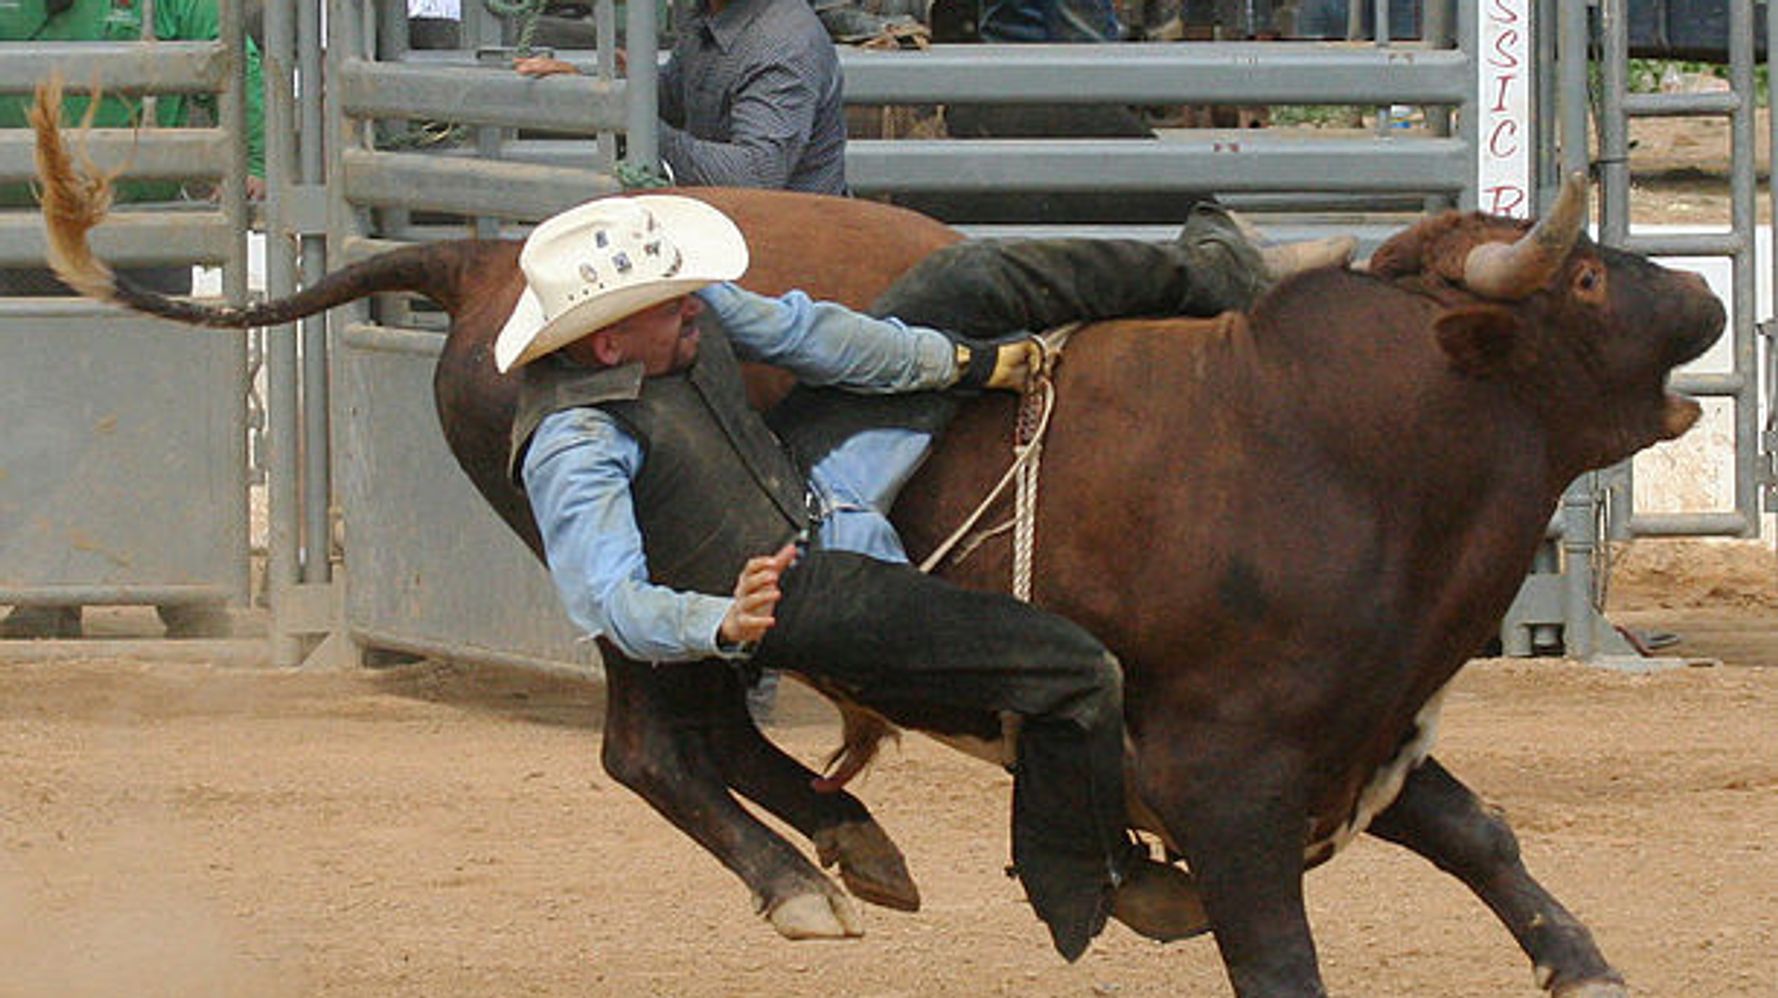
{"points": [[704, 618]]}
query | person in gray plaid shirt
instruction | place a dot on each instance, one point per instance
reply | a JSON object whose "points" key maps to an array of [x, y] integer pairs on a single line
{"points": [[750, 97]]}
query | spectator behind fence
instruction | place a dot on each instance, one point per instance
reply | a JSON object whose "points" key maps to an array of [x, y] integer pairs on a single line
{"points": [[119, 21], [434, 24], [1049, 21], [749, 97]]}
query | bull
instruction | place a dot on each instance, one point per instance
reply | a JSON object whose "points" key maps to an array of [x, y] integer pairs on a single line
{"points": [[1293, 526]]}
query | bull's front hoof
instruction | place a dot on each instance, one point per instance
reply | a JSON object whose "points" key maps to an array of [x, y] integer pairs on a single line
{"points": [[1159, 900], [816, 916], [870, 864], [1592, 989]]}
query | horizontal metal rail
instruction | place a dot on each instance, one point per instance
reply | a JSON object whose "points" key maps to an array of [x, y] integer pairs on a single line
{"points": [[118, 67], [392, 339], [1218, 161], [1689, 244], [1709, 383], [1224, 72], [128, 239], [467, 186], [150, 154], [104, 595], [1680, 105], [1724, 524], [486, 97]]}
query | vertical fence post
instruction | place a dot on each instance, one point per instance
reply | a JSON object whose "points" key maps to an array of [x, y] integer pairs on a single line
{"points": [[317, 447], [282, 401], [640, 34]]}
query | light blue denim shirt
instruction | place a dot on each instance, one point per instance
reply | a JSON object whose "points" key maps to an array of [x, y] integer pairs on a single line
{"points": [[580, 464]]}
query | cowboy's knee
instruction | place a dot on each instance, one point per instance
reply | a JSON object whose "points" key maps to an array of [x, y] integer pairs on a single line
{"points": [[1098, 691]]}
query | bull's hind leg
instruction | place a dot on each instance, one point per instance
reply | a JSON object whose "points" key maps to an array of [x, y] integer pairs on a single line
{"points": [[1439, 818], [656, 748], [840, 826]]}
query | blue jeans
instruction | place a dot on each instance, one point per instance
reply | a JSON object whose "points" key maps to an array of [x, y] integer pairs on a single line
{"points": [[1049, 21]]}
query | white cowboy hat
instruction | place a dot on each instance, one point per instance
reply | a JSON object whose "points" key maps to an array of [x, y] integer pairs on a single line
{"points": [[606, 260]]}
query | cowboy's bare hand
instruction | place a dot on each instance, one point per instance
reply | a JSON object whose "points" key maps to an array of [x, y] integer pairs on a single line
{"points": [[542, 65], [750, 616], [1016, 366]]}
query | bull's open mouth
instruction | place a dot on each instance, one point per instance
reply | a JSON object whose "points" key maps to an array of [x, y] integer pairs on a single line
{"points": [[1678, 415]]}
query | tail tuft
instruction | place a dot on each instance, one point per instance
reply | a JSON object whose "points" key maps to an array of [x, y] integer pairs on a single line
{"points": [[75, 197], [862, 734]]}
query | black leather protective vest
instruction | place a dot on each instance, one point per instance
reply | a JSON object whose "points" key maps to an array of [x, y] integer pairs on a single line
{"points": [[716, 487]]}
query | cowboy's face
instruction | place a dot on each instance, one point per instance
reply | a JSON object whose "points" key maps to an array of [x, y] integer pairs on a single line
{"points": [[663, 337]]}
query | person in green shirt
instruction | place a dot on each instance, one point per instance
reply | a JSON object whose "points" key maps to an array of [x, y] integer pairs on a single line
{"points": [[121, 21]]}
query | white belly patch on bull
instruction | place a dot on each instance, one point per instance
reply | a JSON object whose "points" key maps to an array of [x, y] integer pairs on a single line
{"points": [[1002, 752], [1378, 793], [1385, 783]]}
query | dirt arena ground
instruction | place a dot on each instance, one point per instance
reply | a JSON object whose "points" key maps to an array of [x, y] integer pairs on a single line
{"points": [[182, 828]]}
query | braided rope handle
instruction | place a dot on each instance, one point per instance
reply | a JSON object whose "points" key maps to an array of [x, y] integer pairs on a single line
{"points": [[530, 10], [1028, 433]]}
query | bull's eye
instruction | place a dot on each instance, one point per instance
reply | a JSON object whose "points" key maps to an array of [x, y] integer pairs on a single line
{"points": [[1589, 284]]}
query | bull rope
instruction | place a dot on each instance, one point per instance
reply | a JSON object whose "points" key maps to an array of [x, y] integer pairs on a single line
{"points": [[1029, 431], [527, 11]]}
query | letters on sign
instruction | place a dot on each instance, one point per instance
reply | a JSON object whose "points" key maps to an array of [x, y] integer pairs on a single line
{"points": [[1504, 151]]}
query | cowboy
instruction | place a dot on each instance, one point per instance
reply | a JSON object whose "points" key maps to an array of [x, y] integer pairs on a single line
{"points": [[677, 528]]}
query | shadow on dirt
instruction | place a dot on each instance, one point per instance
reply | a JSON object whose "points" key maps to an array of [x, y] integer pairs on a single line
{"points": [[536, 697], [519, 694]]}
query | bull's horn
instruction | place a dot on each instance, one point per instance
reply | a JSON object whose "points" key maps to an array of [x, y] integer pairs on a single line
{"points": [[1511, 271]]}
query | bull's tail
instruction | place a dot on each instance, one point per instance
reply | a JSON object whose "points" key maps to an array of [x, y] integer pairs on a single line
{"points": [[862, 734], [76, 195]]}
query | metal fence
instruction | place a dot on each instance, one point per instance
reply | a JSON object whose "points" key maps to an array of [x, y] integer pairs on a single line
{"points": [[396, 486], [395, 479], [359, 476], [123, 474], [398, 492], [1558, 608]]}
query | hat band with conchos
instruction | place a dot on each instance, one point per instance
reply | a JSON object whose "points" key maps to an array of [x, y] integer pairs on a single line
{"points": [[603, 261]]}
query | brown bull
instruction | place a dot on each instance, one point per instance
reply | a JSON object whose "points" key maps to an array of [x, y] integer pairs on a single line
{"points": [[1293, 527]]}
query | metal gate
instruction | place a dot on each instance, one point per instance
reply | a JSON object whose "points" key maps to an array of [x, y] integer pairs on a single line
{"points": [[125, 480], [432, 571], [1559, 609], [123, 471]]}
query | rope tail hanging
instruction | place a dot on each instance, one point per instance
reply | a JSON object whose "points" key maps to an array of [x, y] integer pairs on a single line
{"points": [[1028, 433], [1034, 417]]}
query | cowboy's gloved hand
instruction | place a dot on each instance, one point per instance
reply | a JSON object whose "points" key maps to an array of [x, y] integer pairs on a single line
{"points": [[1010, 366], [1016, 366]]}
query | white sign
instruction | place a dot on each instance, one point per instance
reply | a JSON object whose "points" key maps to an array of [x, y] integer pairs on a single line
{"points": [[1504, 135], [450, 9]]}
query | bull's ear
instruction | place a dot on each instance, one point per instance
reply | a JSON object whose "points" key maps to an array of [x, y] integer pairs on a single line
{"points": [[1485, 340]]}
